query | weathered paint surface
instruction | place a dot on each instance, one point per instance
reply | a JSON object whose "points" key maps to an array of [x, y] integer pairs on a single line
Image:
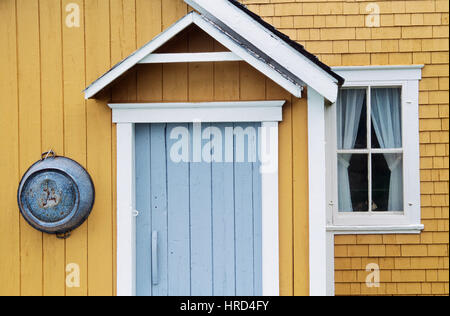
{"points": [[46, 65], [207, 216], [410, 32]]}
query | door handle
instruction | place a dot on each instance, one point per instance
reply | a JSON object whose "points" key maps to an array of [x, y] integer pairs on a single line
{"points": [[155, 270]]}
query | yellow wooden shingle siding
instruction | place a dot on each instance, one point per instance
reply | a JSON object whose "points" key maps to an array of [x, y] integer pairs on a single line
{"points": [[410, 32], [46, 65]]}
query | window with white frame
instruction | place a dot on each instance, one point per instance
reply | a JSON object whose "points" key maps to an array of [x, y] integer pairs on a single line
{"points": [[373, 150]]}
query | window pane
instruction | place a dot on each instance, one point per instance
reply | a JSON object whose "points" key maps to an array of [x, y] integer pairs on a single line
{"points": [[353, 184], [387, 182], [386, 116], [352, 119]]}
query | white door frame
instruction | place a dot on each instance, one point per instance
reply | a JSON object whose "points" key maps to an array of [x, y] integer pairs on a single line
{"points": [[269, 113]]}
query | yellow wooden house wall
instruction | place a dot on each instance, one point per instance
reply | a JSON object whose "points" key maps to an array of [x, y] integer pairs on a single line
{"points": [[410, 32], [45, 65]]}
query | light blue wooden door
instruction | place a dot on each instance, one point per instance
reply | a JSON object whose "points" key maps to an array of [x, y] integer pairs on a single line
{"points": [[199, 222]]}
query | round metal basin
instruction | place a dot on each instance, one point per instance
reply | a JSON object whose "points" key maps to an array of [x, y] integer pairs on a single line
{"points": [[56, 195]]}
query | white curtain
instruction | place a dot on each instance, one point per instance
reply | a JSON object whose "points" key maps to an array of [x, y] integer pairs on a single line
{"points": [[349, 108], [386, 118]]}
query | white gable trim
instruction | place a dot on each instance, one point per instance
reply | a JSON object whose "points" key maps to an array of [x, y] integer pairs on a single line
{"points": [[190, 58], [137, 56], [192, 18], [270, 44]]}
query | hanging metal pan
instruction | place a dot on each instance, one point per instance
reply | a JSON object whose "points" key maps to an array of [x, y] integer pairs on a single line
{"points": [[56, 195]]}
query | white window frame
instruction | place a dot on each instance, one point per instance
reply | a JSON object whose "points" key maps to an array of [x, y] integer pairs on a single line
{"points": [[269, 113], [406, 77]]}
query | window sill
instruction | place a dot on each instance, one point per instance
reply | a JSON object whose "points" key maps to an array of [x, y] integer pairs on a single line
{"points": [[368, 230]]}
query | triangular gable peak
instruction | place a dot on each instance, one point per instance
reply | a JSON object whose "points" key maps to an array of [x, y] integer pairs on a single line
{"points": [[275, 46], [237, 50]]}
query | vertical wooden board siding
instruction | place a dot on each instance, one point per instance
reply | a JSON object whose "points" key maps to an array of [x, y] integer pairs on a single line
{"points": [[175, 77], [150, 82], [200, 217], [73, 43], [123, 29], [286, 216], [172, 11], [158, 186], [143, 202], [9, 160], [99, 138], [226, 81], [52, 130], [194, 216], [29, 133], [201, 75], [148, 20], [252, 83], [175, 82], [300, 182], [223, 223], [179, 260]]}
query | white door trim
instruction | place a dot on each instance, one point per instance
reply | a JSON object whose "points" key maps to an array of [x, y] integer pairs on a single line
{"points": [[126, 222], [217, 112], [126, 204]]}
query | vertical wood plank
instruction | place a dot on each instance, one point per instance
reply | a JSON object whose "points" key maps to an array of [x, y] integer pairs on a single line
{"points": [[257, 218], [52, 129], [123, 43], [243, 213], [29, 133], [300, 198], [201, 229], [9, 160], [73, 43], [223, 222], [144, 219], [100, 234], [172, 11], [275, 92], [159, 203], [175, 77], [226, 81], [123, 29], [201, 75], [150, 82], [252, 83], [148, 20], [179, 283]]}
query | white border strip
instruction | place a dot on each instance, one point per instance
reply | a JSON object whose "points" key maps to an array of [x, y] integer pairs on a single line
{"points": [[357, 74], [190, 58], [355, 230], [317, 194], [270, 243], [126, 222]]}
